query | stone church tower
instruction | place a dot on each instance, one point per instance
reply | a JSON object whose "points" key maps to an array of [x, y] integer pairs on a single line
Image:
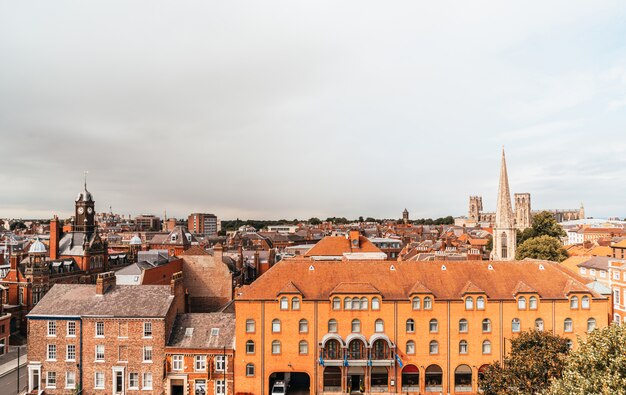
{"points": [[523, 216], [504, 237], [475, 207]]}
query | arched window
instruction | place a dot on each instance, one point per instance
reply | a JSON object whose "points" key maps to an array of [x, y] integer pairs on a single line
{"points": [[486, 325], [434, 379], [410, 325], [380, 349], [591, 324], [568, 325], [275, 325], [347, 303], [416, 303], [250, 347], [463, 379], [332, 349], [486, 347], [250, 370], [336, 303], [275, 347], [375, 303], [521, 303], [573, 302], [516, 325], [356, 304], [480, 303], [303, 347], [463, 325], [428, 303], [356, 349], [303, 326], [463, 347], [433, 326], [250, 326], [295, 304], [332, 326], [532, 303], [356, 326], [284, 303], [585, 302], [503, 241], [379, 326], [539, 324], [364, 303], [469, 303], [570, 344], [410, 347], [433, 347]]}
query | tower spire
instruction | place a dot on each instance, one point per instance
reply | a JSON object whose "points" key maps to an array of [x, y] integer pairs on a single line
{"points": [[504, 211]]}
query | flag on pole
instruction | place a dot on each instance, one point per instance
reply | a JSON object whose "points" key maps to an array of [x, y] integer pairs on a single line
{"points": [[399, 360], [345, 360], [321, 361]]}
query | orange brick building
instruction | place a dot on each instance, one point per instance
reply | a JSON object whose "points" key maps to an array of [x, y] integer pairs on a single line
{"points": [[200, 355], [399, 327]]}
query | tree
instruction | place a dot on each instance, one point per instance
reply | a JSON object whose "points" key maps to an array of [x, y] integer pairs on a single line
{"points": [[314, 221], [535, 358], [542, 247], [361, 219], [18, 225], [544, 224], [597, 367]]}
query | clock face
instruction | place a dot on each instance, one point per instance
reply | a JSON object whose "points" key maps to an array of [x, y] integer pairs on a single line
{"points": [[81, 210], [89, 210]]}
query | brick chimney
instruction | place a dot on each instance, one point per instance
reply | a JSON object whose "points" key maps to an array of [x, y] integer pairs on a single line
{"points": [[218, 252], [354, 238], [55, 235], [104, 282], [177, 289]]}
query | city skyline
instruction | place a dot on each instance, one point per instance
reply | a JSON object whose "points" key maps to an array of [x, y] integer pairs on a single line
{"points": [[284, 110]]}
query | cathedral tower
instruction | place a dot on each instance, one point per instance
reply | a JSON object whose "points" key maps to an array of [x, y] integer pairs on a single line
{"points": [[475, 207], [84, 213], [523, 217], [504, 237]]}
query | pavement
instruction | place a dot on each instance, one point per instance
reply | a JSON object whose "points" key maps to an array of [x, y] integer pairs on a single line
{"points": [[8, 361], [8, 371]]}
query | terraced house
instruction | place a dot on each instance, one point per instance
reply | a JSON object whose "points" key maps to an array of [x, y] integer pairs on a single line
{"points": [[331, 327], [102, 338]]}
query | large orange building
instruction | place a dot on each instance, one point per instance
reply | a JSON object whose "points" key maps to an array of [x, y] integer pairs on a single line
{"points": [[331, 327]]}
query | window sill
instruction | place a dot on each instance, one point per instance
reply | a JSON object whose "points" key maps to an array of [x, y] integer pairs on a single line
{"points": [[146, 362], [51, 360], [146, 389], [133, 388], [147, 337], [72, 336], [70, 360], [99, 361], [51, 387]]}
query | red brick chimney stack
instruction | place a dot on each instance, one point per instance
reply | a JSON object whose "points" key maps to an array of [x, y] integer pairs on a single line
{"points": [[104, 282]]}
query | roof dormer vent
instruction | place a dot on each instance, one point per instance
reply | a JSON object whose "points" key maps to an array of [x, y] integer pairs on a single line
{"points": [[490, 267], [443, 267], [392, 267], [541, 267], [311, 267]]}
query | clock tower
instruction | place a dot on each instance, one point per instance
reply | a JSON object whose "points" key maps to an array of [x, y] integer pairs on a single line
{"points": [[85, 213]]}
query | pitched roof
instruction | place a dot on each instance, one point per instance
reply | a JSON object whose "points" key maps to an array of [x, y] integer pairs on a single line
{"points": [[419, 288], [620, 244], [355, 288], [289, 288], [319, 279], [195, 250], [195, 331], [574, 286], [522, 288], [471, 288], [339, 245], [119, 301]]}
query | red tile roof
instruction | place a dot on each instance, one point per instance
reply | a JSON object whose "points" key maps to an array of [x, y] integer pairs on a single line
{"points": [[339, 245], [317, 280], [355, 288]]}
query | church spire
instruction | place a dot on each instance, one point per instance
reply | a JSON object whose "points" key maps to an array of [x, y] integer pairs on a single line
{"points": [[504, 211]]}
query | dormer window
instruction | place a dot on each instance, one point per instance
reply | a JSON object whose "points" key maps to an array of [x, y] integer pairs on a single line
{"points": [[469, 303], [573, 302], [284, 303], [480, 303], [173, 238], [521, 303], [585, 302], [428, 303], [532, 303]]}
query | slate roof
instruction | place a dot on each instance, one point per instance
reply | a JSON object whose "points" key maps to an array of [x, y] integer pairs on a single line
{"points": [[71, 243], [119, 301], [318, 279], [201, 336]]}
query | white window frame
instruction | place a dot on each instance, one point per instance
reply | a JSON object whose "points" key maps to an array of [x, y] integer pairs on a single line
{"points": [[71, 329], [147, 330], [199, 364], [220, 363], [95, 380], [99, 329], [250, 326], [51, 352], [52, 328], [130, 381], [147, 354], [178, 361], [100, 354], [220, 387], [250, 370], [67, 352], [51, 383], [146, 375], [68, 375]]}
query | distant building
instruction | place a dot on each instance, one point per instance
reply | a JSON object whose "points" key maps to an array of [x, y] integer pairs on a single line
{"points": [[146, 222], [391, 247], [504, 233], [405, 216], [351, 246], [202, 224], [282, 228], [5, 330]]}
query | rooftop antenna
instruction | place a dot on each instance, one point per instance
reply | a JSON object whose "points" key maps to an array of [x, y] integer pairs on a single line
{"points": [[86, 172]]}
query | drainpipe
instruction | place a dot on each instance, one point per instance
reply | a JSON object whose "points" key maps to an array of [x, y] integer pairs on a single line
{"points": [[80, 360]]}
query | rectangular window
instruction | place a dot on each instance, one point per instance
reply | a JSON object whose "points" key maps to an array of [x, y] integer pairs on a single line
{"points": [[220, 363], [52, 328], [583, 270], [71, 328], [147, 354], [99, 329], [147, 329], [99, 380], [615, 275], [220, 387], [133, 380], [616, 294], [100, 352], [122, 353], [249, 326], [51, 380], [200, 364], [52, 352], [70, 352], [147, 381], [70, 380], [177, 362], [602, 273]]}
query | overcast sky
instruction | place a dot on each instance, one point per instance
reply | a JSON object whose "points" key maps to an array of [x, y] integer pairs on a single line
{"points": [[267, 109]]}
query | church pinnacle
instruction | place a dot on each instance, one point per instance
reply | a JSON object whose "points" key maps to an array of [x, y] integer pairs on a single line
{"points": [[504, 210]]}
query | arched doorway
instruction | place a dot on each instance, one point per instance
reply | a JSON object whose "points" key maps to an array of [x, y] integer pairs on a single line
{"points": [[294, 382], [463, 379], [434, 379], [332, 379], [379, 379], [356, 379], [410, 379], [481, 374]]}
